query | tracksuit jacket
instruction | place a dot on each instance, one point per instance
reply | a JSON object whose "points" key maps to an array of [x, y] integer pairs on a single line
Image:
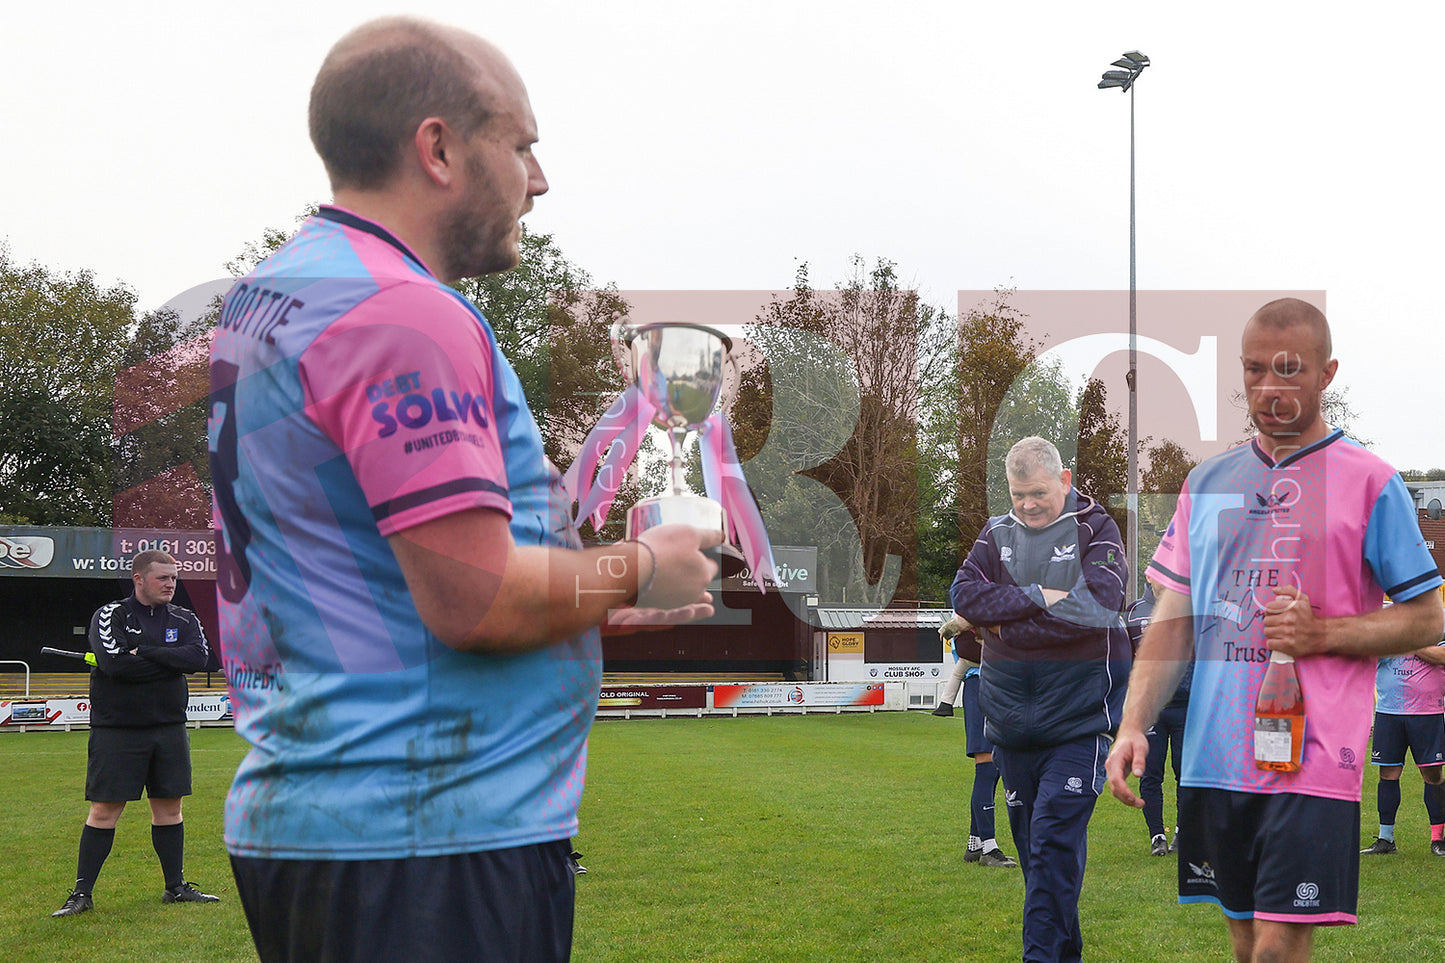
{"points": [[1048, 675], [1136, 620], [148, 688]]}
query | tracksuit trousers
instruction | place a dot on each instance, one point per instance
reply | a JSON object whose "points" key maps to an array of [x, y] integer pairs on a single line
{"points": [[1051, 794]]}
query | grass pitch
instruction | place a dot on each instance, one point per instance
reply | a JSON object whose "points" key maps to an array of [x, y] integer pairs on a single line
{"points": [[818, 837], [42, 808]]}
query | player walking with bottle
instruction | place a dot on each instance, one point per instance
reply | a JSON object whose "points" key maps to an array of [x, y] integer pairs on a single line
{"points": [[1286, 545]]}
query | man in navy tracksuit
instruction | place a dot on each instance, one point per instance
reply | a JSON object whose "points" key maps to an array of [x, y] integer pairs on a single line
{"points": [[1045, 585]]}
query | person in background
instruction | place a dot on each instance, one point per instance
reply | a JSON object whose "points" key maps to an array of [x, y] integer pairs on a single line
{"points": [[1045, 585], [946, 699], [1409, 698], [1166, 737], [982, 845], [144, 647]]}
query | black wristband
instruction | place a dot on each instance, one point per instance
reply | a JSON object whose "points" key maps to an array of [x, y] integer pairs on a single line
{"points": [[652, 576]]}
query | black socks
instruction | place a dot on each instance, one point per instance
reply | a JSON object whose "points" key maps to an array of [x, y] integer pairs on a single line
{"points": [[170, 845], [94, 848]]}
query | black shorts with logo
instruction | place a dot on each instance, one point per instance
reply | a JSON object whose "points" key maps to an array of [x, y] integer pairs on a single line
{"points": [[1279, 857], [512, 905], [121, 762], [1423, 735]]}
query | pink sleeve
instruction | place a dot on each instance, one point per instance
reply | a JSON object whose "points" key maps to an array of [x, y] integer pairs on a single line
{"points": [[1170, 565], [403, 385]]}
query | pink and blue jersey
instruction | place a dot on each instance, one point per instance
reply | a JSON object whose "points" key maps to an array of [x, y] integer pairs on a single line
{"points": [[1331, 519], [1407, 685], [353, 397]]}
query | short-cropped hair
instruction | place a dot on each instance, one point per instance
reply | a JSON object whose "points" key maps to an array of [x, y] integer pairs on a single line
{"points": [[1283, 313], [1031, 454], [377, 85], [144, 560]]}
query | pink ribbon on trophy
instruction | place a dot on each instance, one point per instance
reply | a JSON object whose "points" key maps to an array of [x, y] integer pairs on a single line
{"points": [[618, 435], [723, 479]]}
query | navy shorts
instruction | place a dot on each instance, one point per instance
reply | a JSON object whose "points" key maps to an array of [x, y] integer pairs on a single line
{"points": [[513, 905], [121, 762], [975, 741], [1423, 735], [1280, 857]]}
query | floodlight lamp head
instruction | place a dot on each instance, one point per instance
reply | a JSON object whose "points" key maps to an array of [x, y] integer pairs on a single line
{"points": [[1137, 59]]}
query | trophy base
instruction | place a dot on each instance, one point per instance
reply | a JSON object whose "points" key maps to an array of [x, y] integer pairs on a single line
{"points": [[691, 510]]}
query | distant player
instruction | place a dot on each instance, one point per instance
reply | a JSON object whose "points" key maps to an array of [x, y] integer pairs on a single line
{"points": [[1409, 697], [982, 842], [1166, 738]]}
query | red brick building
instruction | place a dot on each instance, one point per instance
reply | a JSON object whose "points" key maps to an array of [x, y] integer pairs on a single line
{"points": [[1434, 531]]}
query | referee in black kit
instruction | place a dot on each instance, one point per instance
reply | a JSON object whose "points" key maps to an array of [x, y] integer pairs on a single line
{"points": [[143, 646]]}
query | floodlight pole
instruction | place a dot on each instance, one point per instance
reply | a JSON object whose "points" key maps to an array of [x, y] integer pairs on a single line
{"points": [[1132, 64], [1132, 495]]}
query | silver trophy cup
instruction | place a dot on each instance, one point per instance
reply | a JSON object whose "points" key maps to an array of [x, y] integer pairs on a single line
{"points": [[680, 369]]}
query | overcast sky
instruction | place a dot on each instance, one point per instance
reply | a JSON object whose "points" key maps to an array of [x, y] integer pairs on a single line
{"points": [[714, 146]]}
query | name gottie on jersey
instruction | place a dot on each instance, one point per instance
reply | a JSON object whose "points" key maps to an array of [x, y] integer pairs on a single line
{"points": [[257, 311]]}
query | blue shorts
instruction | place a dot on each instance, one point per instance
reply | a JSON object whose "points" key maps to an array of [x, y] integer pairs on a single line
{"points": [[975, 742], [1423, 735], [505, 904], [1281, 857]]}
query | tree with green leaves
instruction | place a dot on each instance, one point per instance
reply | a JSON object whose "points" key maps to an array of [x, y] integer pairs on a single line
{"points": [[553, 324], [1040, 402], [163, 477], [996, 391], [994, 355], [1169, 464], [254, 252], [1101, 464], [61, 338], [832, 420]]}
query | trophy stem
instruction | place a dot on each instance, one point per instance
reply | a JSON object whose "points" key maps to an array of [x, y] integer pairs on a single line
{"points": [[678, 472]]}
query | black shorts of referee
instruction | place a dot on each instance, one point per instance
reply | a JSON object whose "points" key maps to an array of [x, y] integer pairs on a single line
{"points": [[123, 761]]}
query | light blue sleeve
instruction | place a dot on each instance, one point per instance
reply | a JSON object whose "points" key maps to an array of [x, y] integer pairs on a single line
{"points": [[1394, 548]]}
